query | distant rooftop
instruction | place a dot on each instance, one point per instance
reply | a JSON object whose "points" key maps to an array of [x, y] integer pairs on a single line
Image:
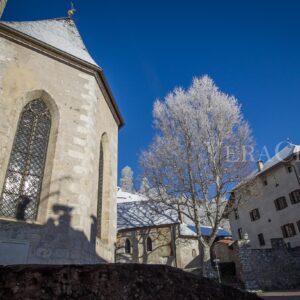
{"points": [[190, 230], [129, 197], [140, 214], [281, 156], [137, 211], [60, 33]]}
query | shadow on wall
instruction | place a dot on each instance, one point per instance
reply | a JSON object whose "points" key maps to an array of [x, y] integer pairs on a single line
{"points": [[150, 241], [55, 242], [194, 263], [161, 251]]}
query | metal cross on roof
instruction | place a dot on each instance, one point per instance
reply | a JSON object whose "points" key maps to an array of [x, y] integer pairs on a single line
{"points": [[71, 11]]}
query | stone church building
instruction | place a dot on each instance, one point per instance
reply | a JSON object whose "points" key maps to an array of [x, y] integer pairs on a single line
{"points": [[58, 148], [150, 232]]}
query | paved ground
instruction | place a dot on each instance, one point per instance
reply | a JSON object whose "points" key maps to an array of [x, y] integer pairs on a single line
{"points": [[281, 295]]}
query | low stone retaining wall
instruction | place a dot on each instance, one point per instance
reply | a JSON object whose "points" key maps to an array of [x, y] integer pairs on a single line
{"points": [[111, 281], [268, 269]]}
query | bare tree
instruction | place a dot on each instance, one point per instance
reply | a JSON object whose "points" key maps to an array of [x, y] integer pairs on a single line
{"points": [[126, 181], [203, 147]]}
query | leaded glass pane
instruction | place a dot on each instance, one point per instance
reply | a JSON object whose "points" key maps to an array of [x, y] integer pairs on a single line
{"points": [[13, 182], [18, 162], [30, 186], [100, 192], [8, 205], [23, 180]]}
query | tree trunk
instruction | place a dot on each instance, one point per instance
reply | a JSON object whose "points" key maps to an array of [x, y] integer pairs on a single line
{"points": [[206, 266]]}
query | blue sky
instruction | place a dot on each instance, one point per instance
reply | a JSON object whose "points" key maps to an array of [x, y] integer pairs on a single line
{"points": [[251, 48]]}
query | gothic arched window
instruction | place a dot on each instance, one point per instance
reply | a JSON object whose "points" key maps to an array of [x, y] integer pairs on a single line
{"points": [[24, 175], [127, 246], [100, 191], [149, 244]]}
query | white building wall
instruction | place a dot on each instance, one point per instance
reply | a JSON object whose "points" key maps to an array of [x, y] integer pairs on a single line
{"points": [[280, 183]]}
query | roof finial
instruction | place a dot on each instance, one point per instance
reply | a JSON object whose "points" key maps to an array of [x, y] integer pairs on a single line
{"points": [[71, 11]]}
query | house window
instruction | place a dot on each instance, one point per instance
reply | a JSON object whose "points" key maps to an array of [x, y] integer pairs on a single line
{"points": [[289, 169], [288, 230], [261, 239], [240, 233], [265, 182], [127, 246], [298, 224], [236, 214], [22, 185], [100, 191], [280, 203], [295, 196], [254, 214], [149, 244], [194, 253]]}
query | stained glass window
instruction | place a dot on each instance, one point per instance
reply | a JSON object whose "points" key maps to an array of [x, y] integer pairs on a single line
{"points": [[100, 192], [23, 181]]}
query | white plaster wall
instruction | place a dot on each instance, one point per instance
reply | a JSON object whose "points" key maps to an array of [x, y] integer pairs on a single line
{"points": [[271, 220]]}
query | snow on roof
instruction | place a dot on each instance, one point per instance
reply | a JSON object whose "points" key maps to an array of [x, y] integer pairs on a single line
{"points": [[279, 157], [282, 155], [138, 214], [59, 33], [129, 197], [190, 230]]}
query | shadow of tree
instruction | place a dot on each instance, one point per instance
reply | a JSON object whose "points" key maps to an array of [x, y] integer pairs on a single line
{"points": [[140, 220]]}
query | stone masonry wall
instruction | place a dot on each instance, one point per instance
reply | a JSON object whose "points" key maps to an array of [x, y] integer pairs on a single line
{"points": [[112, 282], [161, 246], [65, 228], [268, 269]]}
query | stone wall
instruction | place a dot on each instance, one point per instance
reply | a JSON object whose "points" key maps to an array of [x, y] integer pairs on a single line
{"points": [[81, 118], [111, 281], [187, 253], [162, 246], [268, 269], [168, 247]]}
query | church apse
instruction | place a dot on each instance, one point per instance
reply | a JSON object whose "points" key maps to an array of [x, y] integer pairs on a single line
{"points": [[54, 111]]}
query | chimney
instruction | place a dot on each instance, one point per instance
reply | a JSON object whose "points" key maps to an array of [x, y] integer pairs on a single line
{"points": [[2, 6], [260, 165]]}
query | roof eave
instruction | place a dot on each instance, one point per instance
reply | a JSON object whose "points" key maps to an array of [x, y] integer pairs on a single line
{"points": [[147, 227], [287, 159], [17, 36]]}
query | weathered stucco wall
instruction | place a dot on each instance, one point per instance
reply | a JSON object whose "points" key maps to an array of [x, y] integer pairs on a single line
{"points": [[167, 247], [66, 224], [187, 252], [162, 246]]}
